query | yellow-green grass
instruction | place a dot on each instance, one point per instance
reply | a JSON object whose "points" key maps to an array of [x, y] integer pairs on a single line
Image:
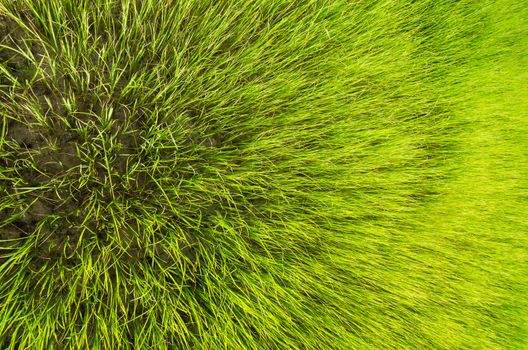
{"points": [[263, 174]]}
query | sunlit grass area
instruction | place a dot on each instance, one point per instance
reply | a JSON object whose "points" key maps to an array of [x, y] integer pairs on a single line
{"points": [[268, 174]]}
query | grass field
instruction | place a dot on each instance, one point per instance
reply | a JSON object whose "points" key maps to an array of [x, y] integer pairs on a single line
{"points": [[268, 174]]}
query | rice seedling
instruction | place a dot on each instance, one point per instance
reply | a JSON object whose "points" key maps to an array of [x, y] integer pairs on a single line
{"points": [[265, 174]]}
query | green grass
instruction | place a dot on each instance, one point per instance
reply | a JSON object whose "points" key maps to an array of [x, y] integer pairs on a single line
{"points": [[270, 174]]}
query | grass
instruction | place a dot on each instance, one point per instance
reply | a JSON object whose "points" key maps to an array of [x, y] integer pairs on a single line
{"points": [[263, 174]]}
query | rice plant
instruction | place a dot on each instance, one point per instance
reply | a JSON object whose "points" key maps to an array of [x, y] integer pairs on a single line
{"points": [[267, 174]]}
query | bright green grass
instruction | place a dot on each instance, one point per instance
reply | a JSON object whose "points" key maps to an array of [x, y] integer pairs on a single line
{"points": [[264, 174]]}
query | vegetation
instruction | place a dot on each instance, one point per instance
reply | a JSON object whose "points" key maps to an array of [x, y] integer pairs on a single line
{"points": [[269, 174]]}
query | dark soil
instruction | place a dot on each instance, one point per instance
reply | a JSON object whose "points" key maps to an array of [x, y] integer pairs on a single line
{"points": [[49, 173]]}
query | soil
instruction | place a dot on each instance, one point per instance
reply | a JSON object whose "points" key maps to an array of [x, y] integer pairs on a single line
{"points": [[38, 164]]}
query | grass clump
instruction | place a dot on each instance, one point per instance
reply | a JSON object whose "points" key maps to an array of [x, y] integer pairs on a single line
{"points": [[263, 174]]}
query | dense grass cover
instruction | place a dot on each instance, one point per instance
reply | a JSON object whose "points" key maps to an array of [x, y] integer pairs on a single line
{"points": [[318, 174]]}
